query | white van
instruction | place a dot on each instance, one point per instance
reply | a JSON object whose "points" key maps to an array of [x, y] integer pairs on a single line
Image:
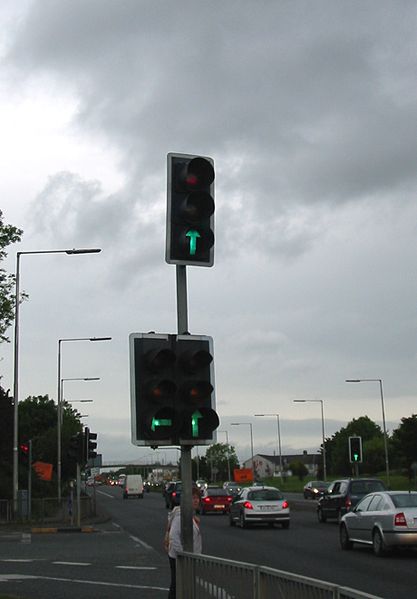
{"points": [[133, 486]]}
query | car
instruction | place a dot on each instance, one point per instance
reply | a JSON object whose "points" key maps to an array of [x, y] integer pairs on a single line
{"points": [[314, 488], [215, 499], [173, 494], [232, 487], [343, 494], [259, 505], [133, 486], [383, 520]]}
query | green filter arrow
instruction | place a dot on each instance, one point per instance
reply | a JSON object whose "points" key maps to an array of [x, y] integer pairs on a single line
{"points": [[160, 422], [194, 423], [193, 241]]}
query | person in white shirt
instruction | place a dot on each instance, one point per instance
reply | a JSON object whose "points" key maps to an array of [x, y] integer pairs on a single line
{"points": [[174, 540]]}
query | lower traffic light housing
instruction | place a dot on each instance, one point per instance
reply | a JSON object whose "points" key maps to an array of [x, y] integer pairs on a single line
{"points": [[172, 390], [355, 450]]}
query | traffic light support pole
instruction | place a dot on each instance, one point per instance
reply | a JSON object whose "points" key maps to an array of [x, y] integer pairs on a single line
{"points": [[186, 499], [182, 307]]}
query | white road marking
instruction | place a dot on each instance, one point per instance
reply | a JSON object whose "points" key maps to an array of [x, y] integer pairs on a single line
{"points": [[136, 567], [6, 577], [106, 494], [72, 563], [141, 543], [18, 560]]}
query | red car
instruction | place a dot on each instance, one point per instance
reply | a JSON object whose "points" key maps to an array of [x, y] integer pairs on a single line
{"points": [[215, 499]]}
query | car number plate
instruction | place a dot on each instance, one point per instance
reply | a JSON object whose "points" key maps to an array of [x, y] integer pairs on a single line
{"points": [[217, 505], [269, 508]]}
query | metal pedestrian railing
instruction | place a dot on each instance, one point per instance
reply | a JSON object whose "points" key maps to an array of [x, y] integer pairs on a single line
{"points": [[206, 577]]}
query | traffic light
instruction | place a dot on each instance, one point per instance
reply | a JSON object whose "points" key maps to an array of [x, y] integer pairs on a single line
{"points": [[24, 452], [190, 210], [76, 448], [195, 396], [90, 444], [355, 450], [172, 389]]}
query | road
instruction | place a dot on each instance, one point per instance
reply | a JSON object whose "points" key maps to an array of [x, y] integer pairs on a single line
{"points": [[126, 554], [308, 547]]}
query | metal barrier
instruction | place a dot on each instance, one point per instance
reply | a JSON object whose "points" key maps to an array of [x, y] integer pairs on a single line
{"points": [[49, 509], [206, 577]]}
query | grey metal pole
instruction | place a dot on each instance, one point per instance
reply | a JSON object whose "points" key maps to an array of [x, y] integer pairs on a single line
{"points": [[59, 400], [78, 495], [16, 388], [186, 495], [280, 450], [385, 433], [324, 441], [30, 481]]}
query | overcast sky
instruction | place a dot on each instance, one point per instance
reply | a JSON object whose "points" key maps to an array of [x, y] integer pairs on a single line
{"points": [[309, 112]]}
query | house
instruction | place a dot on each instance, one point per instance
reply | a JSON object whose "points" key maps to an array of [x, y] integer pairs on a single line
{"points": [[269, 465]]}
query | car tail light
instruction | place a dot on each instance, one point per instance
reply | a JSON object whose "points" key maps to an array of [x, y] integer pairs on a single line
{"points": [[399, 520], [229, 499], [284, 504], [206, 499], [348, 503], [173, 494], [248, 505]]}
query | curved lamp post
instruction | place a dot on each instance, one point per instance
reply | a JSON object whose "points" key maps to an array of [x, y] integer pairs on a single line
{"points": [[73, 251]]}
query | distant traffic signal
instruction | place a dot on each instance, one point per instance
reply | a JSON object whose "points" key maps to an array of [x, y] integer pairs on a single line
{"points": [[355, 450], [90, 445], [172, 389], [24, 452], [190, 210], [76, 448]]}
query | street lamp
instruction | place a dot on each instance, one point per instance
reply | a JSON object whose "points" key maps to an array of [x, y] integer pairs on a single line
{"points": [[383, 418], [228, 453], [73, 251], [251, 440], [59, 400], [322, 430], [278, 440]]}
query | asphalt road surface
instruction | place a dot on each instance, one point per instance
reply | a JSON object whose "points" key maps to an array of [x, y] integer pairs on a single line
{"points": [[307, 547]]}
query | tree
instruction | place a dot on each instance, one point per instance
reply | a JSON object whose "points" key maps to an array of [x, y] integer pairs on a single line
{"points": [[337, 452], [299, 469], [214, 466], [404, 441], [8, 234]]}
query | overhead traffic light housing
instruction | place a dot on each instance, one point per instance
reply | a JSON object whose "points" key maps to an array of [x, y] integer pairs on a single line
{"points": [[172, 390], [190, 210], [355, 450]]}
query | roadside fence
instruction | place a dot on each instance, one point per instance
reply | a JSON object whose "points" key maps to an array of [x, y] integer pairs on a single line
{"points": [[206, 577]]}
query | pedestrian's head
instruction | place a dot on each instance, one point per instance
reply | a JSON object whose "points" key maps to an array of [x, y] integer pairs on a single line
{"points": [[195, 497]]}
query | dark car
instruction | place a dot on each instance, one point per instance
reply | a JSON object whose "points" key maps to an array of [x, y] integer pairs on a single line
{"points": [[215, 499], [173, 494], [314, 488], [342, 495]]}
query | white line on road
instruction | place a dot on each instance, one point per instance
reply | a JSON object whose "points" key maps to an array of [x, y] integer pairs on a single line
{"points": [[5, 577], [18, 560], [141, 543], [72, 563], [106, 494], [136, 567]]}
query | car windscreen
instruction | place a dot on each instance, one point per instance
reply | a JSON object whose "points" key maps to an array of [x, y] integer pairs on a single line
{"points": [[409, 500], [265, 495], [216, 492], [363, 487]]}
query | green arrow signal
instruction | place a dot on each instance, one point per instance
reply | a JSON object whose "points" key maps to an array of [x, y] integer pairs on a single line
{"points": [[194, 423], [160, 422], [193, 240]]}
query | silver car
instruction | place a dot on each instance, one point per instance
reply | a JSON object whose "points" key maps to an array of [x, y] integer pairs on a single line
{"points": [[257, 505], [383, 520]]}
